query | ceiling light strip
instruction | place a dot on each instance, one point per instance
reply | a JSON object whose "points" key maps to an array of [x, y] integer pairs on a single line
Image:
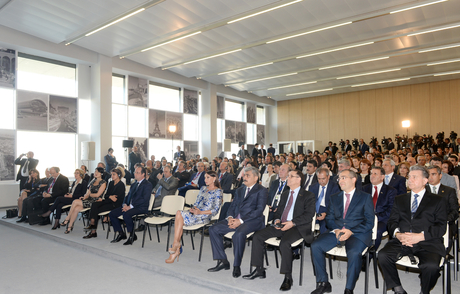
{"points": [[351, 63], [114, 22], [368, 73], [309, 32], [308, 92], [444, 62], [381, 82], [336, 49], [447, 73], [170, 41], [418, 6], [295, 85], [440, 48], [273, 77], [263, 11], [244, 68], [435, 30]]}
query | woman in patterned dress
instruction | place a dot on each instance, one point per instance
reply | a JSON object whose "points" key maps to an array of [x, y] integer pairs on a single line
{"points": [[206, 206]]}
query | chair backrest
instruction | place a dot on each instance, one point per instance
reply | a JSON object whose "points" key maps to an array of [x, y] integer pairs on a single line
{"points": [[151, 201], [171, 204], [191, 196], [446, 236], [374, 229], [227, 197], [266, 212], [313, 223]]}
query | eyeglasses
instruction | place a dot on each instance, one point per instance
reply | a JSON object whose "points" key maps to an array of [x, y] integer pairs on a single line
{"points": [[293, 176]]}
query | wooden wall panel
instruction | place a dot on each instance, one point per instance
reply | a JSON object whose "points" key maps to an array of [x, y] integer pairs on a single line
{"points": [[420, 111], [401, 109], [454, 106], [322, 119], [351, 116], [441, 91], [295, 126], [384, 113], [308, 118], [367, 115], [336, 117], [283, 120]]}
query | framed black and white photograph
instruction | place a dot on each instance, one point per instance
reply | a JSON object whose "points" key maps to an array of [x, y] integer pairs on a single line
{"points": [[241, 131], [157, 123], [32, 111], [7, 155], [261, 134], [141, 144], [174, 119], [62, 114], [230, 130], [190, 101], [190, 149], [138, 91], [251, 111], [7, 68], [220, 107]]}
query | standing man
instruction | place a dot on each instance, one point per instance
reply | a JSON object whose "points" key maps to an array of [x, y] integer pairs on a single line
{"points": [[391, 145], [292, 222], [134, 158], [301, 163], [110, 161], [26, 164], [310, 177], [136, 202], [416, 226], [244, 216], [363, 147], [263, 152], [255, 151], [347, 146], [393, 180], [179, 155], [323, 191], [242, 154], [350, 217], [383, 197], [271, 150]]}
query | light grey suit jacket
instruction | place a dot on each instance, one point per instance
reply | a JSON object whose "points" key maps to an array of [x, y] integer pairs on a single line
{"points": [[449, 181], [168, 187]]}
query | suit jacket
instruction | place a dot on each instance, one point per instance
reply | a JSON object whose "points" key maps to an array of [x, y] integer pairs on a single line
{"points": [[313, 180], [332, 188], [251, 207], [385, 201], [363, 148], [304, 210], [226, 181], [80, 190], [300, 165], [110, 163], [271, 150], [263, 152], [60, 187], [430, 217], [391, 146], [183, 178], [347, 147], [242, 154], [201, 182], [32, 164], [399, 183], [452, 202], [273, 190], [360, 215], [168, 187], [133, 159], [449, 181], [255, 152], [179, 155], [139, 195]]}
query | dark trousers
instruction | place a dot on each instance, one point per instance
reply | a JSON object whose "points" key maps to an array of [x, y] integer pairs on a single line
{"points": [[45, 203], [224, 210], [58, 204], [184, 189], [354, 248], [31, 202], [287, 238], [217, 231], [98, 207], [127, 217], [428, 264], [381, 228]]}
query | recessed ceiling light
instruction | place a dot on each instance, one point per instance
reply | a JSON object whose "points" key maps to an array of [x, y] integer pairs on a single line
{"points": [[368, 73], [435, 30], [355, 62], [263, 11], [244, 68], [417, 6], [309, 32], [308, 92], [444, 62], [381, 82], [295, 85]]}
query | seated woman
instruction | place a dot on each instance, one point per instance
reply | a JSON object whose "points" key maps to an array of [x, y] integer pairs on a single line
{"points": [[31, 186], [95, 190], [269, 177], [77, 190], [365, 166], [114, 197], [206, 206], [403, 170]]}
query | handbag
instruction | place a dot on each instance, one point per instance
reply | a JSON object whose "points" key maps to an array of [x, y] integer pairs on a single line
{"points": [[10, 213]]}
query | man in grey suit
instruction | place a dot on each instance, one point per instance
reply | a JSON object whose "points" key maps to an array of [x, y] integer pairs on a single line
{"points": [[167, 185], [446, 180]]}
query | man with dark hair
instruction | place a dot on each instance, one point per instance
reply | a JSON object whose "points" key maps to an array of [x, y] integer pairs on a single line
{"points": [[136, 202], [446, 180], [350, 217], [271, 150], [262, 151], [416, 226], [182, 174], [363, 147], [292, 222], [454, 160], [110, 161], [26, 164], [196, 180], [255, 151], [225, 178], [310, 177], [134, 158], [242, 154]]}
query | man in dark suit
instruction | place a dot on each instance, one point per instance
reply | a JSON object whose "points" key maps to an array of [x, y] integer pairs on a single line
{"points": [[292, 222], [350, 217], [167, 185], [242, 154], [196, 180], [134, 158], [136, 202], [277, 188], [255, 151], [225, 178], [347, 146], [271, 150], [58, 187], [450, 194], [323, 191], [110, 161], [301, 162], [25, 165], [179, 155], [182, 174], [383, 197], [390, 145], [416, 226], [262, 151], [363, 147], [393, 180], [454, 160], [345, 164], [310, 177], [245, 215]]}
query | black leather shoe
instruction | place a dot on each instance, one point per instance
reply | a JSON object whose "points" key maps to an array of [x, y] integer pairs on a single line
{"points": [[286, 285], [220, 266], [348, 291], [227, 244], [120, 237], [130, 240], [135, 237], [22, 219], [90, 235], [322, 287], [236, 271], [295, 256], [255, 274], [140, 228]]}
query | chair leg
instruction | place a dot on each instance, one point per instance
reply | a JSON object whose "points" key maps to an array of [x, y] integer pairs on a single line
{"points": [[266, 255], [276, 257], [108, 229], [169, 231], [201, 244], [148, 227], [191, 238], [102, 222], [374, 261], [366, 277], [143, 238], [302, 251], [384, 286], [331, 275], [158, 234]]}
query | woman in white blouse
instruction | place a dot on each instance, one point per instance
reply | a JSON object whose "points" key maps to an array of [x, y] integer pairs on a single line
{"points": [[268, 177]]}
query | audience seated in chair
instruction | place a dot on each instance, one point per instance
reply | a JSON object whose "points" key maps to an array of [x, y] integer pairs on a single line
{"points": [[31, 186], [196, 180], [167, 185]]}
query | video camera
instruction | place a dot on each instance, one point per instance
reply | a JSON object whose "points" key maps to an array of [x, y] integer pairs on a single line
{"points": [[355, 143], [385, 142], [342, 144], [453, 136], [440, 136]]}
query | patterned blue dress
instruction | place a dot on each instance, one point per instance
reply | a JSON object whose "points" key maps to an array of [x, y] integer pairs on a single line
{"points": [[206, 200]]}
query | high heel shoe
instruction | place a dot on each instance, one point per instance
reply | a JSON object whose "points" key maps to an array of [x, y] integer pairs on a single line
{"points": [[175, 255], [173, 250], [64, 223], [56, 227], [69, 229]]}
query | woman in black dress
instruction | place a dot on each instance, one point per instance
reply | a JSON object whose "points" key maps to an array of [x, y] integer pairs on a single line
{"points": [[113, 198]]}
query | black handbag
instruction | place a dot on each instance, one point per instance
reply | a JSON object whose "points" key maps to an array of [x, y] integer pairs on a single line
{"points": [[10, 213]]}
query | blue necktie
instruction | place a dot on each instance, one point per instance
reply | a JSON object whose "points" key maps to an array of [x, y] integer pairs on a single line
{"points": [[320, 199], [414, 204], [387, 180]]}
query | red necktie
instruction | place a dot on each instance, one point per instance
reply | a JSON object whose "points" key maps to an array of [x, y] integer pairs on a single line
{"points": [[220, 178], [288, 208], [346, 205], [51, 186], [374, 198]]}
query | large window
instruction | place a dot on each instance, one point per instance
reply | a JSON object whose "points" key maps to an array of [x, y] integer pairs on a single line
{"points": [[164, 97], [260, 115], [137, 122], [234, 110], [8, 108], [118, 89]]}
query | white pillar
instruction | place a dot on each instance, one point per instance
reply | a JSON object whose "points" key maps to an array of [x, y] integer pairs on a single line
{"points": [[209, 122]]}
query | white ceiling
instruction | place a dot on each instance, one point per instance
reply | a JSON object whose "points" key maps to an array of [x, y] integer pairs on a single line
{"points": [[60, 21]]}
